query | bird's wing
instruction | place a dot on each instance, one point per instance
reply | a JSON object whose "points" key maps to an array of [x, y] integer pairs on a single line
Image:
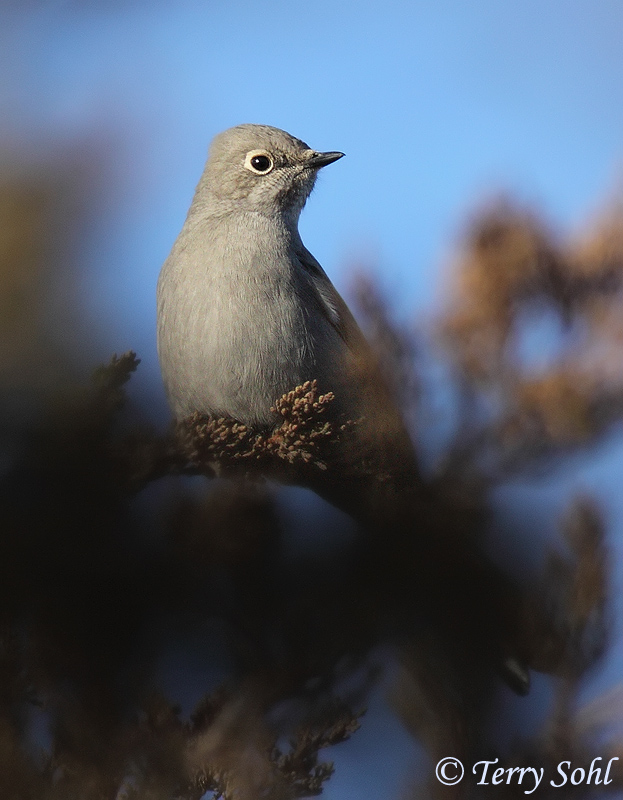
{"points": [[331, 304], [382, 434]]}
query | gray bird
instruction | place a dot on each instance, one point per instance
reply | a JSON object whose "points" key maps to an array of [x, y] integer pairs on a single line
{"points": [[245, 312]]}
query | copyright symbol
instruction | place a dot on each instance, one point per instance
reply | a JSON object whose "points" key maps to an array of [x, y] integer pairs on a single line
{"points": [[449, 771]]}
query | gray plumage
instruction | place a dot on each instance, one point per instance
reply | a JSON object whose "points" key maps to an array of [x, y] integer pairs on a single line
{"points": [[245, 312]]}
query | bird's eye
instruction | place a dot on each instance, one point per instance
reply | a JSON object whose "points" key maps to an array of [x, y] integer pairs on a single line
{"points": [[259, 162]]}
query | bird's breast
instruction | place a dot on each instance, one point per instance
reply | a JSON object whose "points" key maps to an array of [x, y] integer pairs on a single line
{"points": [[235, 332]]}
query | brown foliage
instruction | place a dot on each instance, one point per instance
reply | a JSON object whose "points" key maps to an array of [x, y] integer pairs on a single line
{"points": [[110, 558], [303, 436], [511, 269]]}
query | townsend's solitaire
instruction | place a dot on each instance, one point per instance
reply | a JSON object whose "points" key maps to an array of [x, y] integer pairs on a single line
{"points": [[246, 313]]}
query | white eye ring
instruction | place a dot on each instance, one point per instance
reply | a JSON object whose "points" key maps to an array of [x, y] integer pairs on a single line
{"points": [[263, 162]]}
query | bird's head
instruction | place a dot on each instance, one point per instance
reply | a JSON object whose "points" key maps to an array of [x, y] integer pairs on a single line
{"points": [[262, 169]]}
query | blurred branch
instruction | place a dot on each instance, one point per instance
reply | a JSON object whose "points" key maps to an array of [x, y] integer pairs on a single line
{"points": [[511, 418], [109, 559]]}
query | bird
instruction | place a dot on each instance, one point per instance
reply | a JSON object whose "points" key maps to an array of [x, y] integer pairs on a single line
{"points": [[246, 314]]}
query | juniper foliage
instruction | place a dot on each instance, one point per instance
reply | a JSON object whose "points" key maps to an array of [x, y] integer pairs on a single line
{"points": [[109, 557]]}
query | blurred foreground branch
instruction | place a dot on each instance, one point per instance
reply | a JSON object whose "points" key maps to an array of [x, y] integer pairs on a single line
{"points": [[110, 561]]}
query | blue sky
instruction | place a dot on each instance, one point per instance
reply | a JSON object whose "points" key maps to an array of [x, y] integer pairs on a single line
{"points": [[437, 104]]}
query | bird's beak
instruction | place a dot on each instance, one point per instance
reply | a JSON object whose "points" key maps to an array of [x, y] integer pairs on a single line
{"points": [[318, 160]]}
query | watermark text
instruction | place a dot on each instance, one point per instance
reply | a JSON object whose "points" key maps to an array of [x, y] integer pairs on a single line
{"points": [[450, 771]]}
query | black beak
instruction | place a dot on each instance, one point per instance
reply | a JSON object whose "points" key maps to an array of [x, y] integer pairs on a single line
{"points": [[322, 159]]}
